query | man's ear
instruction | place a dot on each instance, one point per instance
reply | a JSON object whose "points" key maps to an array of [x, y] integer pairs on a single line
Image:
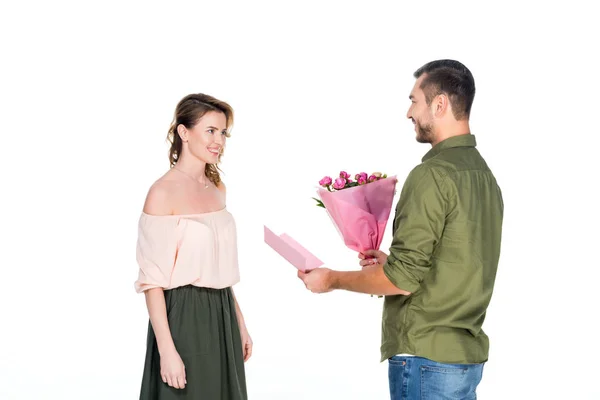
{"points": [[440, 105]]}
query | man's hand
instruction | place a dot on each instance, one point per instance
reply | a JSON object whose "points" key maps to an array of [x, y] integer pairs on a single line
{"points": [[317, 280], [371, 258]]}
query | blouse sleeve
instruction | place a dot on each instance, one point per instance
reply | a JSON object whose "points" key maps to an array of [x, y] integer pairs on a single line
{"points": [[156, 251]]}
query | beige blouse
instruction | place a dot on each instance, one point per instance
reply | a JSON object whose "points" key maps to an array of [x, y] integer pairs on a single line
{"points": [[190, 249]]}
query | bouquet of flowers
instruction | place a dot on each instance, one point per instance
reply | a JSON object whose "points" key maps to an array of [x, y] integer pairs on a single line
{"points": [[358, 208]]}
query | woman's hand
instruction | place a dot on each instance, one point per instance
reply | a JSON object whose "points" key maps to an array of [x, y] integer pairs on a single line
{"points": [[172, 370], [246, 340], [246, 344]]}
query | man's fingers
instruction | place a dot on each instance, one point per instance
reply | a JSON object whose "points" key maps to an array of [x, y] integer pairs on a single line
{"points": [[368, 261]]}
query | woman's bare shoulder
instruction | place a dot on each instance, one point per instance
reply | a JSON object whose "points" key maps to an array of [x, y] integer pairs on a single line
{"points": [[160, 197]]}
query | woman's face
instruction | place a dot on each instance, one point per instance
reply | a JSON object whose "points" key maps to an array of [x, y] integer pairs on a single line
{"points": [[206, 139]]}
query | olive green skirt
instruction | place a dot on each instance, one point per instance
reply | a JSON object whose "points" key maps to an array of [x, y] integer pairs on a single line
{"points": [[205, 330]]}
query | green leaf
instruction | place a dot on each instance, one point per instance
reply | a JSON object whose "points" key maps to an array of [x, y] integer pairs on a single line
{"points": [[319, 202]]}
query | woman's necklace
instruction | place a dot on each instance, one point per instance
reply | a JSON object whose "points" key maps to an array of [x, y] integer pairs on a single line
{"points": [[191, 177]]}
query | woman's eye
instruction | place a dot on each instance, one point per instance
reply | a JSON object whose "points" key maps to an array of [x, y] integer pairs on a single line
{"points": [[211, 131]]}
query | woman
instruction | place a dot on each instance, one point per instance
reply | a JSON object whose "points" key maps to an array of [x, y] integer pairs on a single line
{"points": [[187, 254]]}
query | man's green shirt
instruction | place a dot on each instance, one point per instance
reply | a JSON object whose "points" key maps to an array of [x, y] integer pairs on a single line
{"points": [[445, 251]]}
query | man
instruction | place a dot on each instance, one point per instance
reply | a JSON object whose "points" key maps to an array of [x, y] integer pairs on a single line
{"points": [[439, 276]]}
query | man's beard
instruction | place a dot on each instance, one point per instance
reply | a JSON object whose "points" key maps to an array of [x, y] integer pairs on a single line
{"points": [[424, 133]]}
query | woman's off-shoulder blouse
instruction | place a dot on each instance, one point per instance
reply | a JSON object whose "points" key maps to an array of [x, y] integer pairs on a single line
{"points": [[190, 249]]}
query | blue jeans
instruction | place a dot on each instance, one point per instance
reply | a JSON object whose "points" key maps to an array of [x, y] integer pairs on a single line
{"points": [[417, 378]]}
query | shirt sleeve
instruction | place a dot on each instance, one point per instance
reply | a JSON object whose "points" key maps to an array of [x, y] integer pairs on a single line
{"points": [[418, 226], [156, 251]]}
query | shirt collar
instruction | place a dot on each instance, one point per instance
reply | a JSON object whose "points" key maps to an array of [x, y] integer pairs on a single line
{"points": [[467, 140]]}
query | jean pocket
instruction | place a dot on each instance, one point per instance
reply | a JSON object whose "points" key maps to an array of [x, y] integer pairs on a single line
{"points": [[448, 382], [395, 360], [396, 377]]}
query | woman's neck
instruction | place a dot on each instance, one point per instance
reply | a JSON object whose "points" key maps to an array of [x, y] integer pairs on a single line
{"points": [[192, 167]]}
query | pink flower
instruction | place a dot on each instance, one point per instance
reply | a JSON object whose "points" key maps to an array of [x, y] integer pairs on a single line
{"points": [[372, 178], [339, 183], [361, 180], [344, 175], [325, 181], [362, 175]]}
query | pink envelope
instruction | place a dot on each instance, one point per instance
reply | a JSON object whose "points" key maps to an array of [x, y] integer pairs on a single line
{"points": [[292, 251]]}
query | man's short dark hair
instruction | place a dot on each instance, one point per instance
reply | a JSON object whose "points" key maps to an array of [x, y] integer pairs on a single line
{"points": [[452, 78]]}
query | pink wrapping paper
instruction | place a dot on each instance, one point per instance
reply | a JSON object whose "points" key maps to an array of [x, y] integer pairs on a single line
{"points": [[361, 213]]}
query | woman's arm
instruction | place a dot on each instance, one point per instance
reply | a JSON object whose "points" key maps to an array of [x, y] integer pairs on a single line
{"points": [[238, 312], [157, 310], [247, 343], [246, 340], [172, 369]]}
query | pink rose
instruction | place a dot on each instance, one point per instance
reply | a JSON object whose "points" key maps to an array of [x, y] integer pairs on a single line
{"points": [[362, 175], [325, 181], [339, 183], [344, 175], [372, 178], [361, 180]]}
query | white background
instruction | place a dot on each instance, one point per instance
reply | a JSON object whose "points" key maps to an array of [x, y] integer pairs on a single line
{"points": [[87, 91]]}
